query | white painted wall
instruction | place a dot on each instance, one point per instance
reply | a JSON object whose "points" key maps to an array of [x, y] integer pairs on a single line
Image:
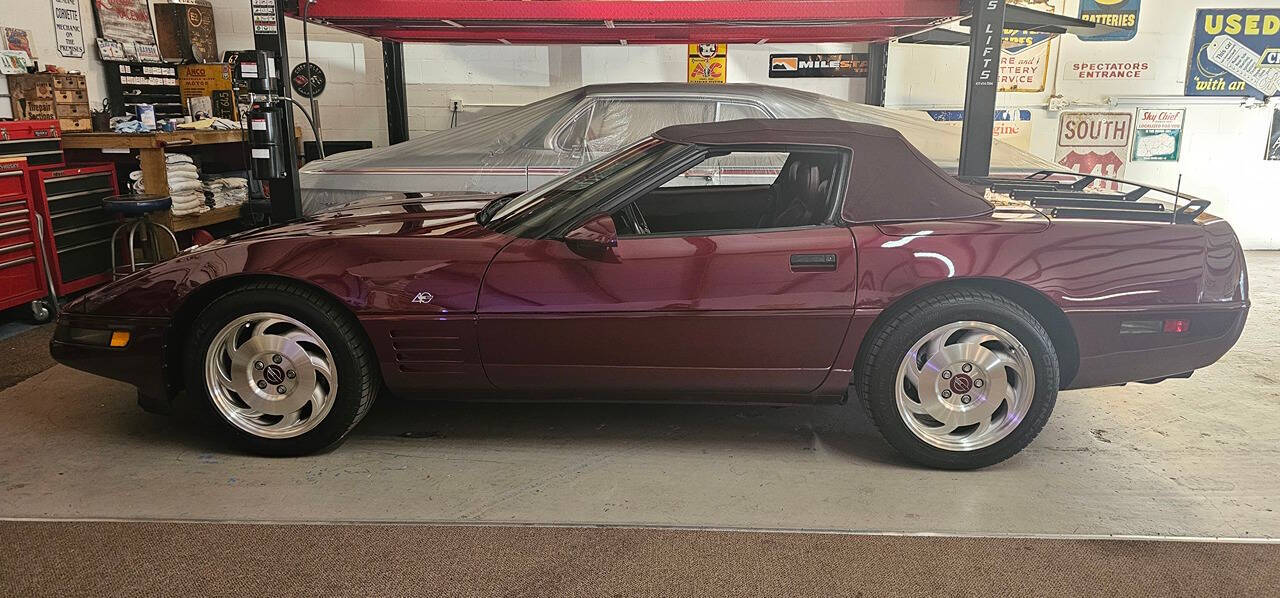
{"points": [[37, 19], [1223, 142]]}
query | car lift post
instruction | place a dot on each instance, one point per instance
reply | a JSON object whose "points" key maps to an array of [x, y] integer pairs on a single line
{"points": [[397, 103], [981, 85], [877, 72], [286, 197]]}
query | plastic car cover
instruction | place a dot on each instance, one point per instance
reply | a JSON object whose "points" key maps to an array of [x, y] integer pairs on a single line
{"points": [[524, 147]]}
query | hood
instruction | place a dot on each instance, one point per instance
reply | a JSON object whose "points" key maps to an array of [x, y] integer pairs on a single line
{"points": [[394, 214]]}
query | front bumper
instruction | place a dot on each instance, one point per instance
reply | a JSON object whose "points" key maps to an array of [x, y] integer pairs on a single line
{"points": [[143, 362]]}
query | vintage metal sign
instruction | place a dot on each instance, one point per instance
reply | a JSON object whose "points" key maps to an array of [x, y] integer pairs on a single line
{"points": [[1011, 126], [1095, 143], [125, 20], [708, 63], [1024, 62], [67, 30], [1121, 14], [1273, 140], [1228, 53], [789, 66], [1157, 134], [1106, 70]]}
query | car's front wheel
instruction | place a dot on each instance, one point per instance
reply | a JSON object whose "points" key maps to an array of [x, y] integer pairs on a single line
{"points": [[282, 369], [961, 379]]}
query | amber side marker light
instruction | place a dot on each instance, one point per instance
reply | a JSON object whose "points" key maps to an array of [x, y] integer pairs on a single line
{"points": [[120, 338]]}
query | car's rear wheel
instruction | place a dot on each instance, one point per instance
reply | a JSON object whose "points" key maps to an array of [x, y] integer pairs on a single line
{"points": [[961, 379], [282, 369]]}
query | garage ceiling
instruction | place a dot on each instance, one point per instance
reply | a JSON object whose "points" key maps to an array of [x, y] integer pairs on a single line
{"points": [[634, 21]]}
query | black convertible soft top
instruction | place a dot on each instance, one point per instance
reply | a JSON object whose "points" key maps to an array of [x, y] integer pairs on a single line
{"points": [[890, 180]]}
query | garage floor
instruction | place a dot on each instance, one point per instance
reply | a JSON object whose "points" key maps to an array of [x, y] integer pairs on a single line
{"points": [[1186, 458]]}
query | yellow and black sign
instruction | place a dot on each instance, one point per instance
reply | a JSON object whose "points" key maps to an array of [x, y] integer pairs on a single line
{"points": [[708, 63]]}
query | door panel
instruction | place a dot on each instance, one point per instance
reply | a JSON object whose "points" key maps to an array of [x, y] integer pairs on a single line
{"points": [[721, 313]]}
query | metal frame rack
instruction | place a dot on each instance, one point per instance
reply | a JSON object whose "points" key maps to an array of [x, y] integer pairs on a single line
{"points": [[1070, 199]]}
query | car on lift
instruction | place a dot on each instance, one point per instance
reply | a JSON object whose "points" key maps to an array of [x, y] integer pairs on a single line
{"points": [[524, 147], [953, 309]]}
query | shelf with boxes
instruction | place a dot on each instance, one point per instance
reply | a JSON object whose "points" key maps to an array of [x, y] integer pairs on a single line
{"points": [[63, 97], [130, 84]]}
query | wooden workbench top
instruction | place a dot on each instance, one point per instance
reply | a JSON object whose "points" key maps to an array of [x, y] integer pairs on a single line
{"points": [[155, 140]]}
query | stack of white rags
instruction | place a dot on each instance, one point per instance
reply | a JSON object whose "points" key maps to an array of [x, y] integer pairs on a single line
{"points": [[227, 190], [185, 186]]}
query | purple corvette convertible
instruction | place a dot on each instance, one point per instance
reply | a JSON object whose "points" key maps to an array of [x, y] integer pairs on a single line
{"points": [[851, 268]]}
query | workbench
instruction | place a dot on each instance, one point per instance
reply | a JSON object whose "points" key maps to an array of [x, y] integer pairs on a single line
{"points": [[151, 149]]}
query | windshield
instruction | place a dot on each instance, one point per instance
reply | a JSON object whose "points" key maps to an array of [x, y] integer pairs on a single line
{"points": [[578, 190]]}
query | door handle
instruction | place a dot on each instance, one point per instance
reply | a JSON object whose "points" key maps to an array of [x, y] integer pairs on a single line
{"points": [[813, 262]]}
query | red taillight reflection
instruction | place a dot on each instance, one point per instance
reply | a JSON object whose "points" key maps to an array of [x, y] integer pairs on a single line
{"points": [[1176, 326]]}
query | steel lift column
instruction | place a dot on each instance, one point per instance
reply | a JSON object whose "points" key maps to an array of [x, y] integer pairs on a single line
{"points": [[286, 198], [980, 87]]}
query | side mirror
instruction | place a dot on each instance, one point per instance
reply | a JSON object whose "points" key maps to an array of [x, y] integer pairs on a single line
{"points": [[595, 239]]}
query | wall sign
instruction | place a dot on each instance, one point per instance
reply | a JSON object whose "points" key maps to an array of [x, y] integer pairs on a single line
{"points": [[789, 66], [1011, 126], [708, 63], [18, 40], [1095, 143], [1025, 57], [1227, 51], [1122, 14], [307, 79], [66, 28], [124, 20], [1157, 134], [1273, 140], [1127, 70], [264, 16]]}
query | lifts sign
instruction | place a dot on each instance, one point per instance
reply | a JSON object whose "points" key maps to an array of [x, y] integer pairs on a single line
{"points": [[1234, 53], [1095, 143], [1120, 14]]}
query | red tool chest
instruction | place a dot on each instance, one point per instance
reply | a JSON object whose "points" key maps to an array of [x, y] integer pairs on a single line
{"points": [[39, 141], [79, 231], [22, 274]]}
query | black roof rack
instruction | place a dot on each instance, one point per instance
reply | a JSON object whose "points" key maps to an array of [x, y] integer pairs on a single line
{"points": [[1068, 199]]}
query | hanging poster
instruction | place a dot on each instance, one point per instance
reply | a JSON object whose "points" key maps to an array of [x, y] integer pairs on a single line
{"points": [[1157, 134], [1121, 14], [1095, 143], [18, 40], [1227, 52], [1011, 126], [1024, 61], [708, 63], [789, 66], [66, 28], [1273, 140], [124, 20]]}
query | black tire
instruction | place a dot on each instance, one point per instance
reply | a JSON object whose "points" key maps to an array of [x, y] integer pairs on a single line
{"points": [[886, 345], [357, 373]]}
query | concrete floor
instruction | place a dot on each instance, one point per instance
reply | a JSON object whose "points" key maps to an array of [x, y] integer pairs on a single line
{"points": [[1191, 457]]}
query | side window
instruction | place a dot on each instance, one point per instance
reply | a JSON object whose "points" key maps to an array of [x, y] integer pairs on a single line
{"points": [[787, 189], [571, 136], [735, 111], [617, 123]]}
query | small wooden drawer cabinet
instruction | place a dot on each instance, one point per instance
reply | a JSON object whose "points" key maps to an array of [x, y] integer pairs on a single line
{"points": [[47, 96]]}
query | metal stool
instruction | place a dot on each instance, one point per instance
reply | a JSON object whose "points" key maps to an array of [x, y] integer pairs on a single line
{"points": [[136, 210]]}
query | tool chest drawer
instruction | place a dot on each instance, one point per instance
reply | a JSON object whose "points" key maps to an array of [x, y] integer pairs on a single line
{"points": [[71, 201], [22, 275], [39, 141]]}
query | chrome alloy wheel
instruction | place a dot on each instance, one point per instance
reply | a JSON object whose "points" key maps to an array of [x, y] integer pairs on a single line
{"points": [[965, 386], [270, 375]]}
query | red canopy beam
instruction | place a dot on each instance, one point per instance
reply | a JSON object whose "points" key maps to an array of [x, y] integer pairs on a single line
{"points": [[640, 21]]}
